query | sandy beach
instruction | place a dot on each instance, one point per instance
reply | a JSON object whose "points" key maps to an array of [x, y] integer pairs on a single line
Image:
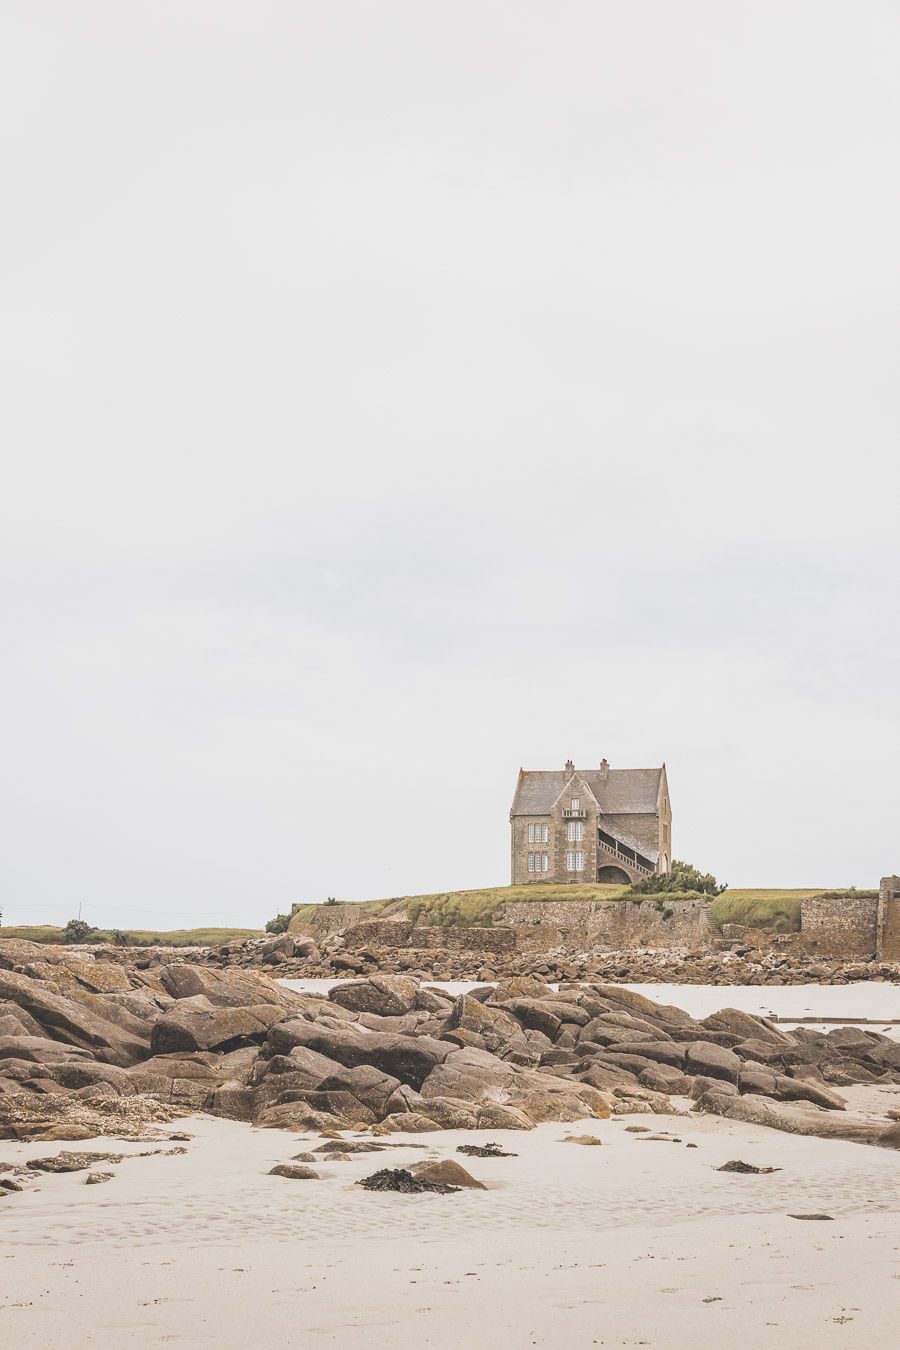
{"points": [[639, 1242]]}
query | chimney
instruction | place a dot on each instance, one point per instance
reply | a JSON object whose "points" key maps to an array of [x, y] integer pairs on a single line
{"points": [[604, 768], [570, 767]]}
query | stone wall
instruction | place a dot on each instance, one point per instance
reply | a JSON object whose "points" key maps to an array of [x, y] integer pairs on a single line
{"points": [[888, 939], [390, 933], [608, 925], [841, 927], [328, 919]]}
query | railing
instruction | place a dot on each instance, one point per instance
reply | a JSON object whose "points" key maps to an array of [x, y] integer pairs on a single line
{"points": [[575, 814], [625, 856]]}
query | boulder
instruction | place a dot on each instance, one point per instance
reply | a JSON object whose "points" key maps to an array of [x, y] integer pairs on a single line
{"points": [[199, 1029], [388, 995], [472, 1075], [799, 1118], [493, 1116], [294, 1172], [447, 1172], [74, 1022], [662, 1052], [746, 1027], [712, 1061], [495, 1027], [234, 1101], [223, 988], [407, 1058], [665, 1078], [38, 1050]]}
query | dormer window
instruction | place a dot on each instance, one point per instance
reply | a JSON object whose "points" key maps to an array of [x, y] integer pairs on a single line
{"points": [[576, 803]]}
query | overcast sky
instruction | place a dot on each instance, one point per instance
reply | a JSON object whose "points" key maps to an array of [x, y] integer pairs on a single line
{"points": [[397, 393]]}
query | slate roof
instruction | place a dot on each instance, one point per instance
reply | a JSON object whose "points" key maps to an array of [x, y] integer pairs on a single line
{"points": [[631, 792]]}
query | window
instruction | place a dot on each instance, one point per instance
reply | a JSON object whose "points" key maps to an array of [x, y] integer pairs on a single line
{"points": [[576, 803], [531, 834], [545, 861], [538, 834], [575, 831], [574, 860], [538, 862], [530, 860]]}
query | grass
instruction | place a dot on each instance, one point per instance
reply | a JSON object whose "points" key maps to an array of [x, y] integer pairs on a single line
{"points": [[140, 937], [465, 909], [775, 910]]}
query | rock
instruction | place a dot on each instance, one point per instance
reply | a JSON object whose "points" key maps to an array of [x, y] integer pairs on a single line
{"points": [[495, 1026], [484, 1151], [72, 1022], [38, 1050], [661, 1052], [72, 1162], [493, 1116], [701, 1085], [234, 1101], [407, 1058], [385, 994], [96, 1178], [399, 1179], [199, 1029], [447, 1173], [232, 988], [712, 1061], [294, 1172], [664, 1078], [409, 1122], [798, 1118], [473, 1075], [798, 1089], [745, 1168], [828, 1217], [65, 1132], [587, 1139], [746, 1027]]}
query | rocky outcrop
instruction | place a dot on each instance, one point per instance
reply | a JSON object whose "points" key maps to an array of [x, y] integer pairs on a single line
{"points": [[388, 1053]]}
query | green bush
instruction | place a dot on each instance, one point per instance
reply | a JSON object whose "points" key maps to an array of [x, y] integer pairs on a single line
{"points": [[278, 924], [683, 877], [76, 930]]}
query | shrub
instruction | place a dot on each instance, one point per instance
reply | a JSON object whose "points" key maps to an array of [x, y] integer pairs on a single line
{"points": [[331, 900], [76, 930], [682, 877], [118, 938], [278, 924]]}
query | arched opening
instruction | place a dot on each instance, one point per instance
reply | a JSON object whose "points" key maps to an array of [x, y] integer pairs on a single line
{"points": [[664, 863], [613, 876]]}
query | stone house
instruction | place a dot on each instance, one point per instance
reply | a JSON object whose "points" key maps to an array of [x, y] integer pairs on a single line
{"points": [[588, 825]]}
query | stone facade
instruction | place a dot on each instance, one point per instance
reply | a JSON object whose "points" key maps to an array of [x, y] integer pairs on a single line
{"points": [[594, 825]]}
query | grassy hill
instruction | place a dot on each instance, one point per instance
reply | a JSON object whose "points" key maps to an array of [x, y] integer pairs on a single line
{"points": [[772, 909]]}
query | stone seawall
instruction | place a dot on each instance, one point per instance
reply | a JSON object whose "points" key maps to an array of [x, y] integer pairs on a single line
{"points": [[607, 925], [395, 934], [845, 926]]}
